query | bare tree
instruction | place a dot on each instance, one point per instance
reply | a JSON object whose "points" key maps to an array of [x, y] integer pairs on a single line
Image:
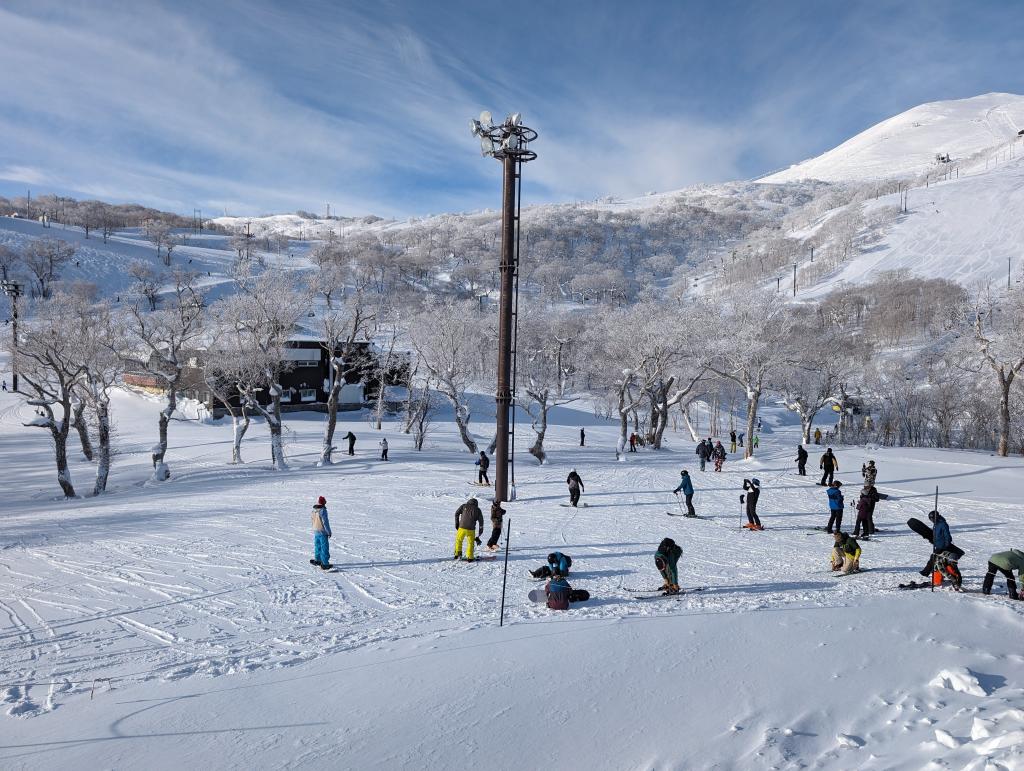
{"points": [[146, 282], [104, 338], [999, 340], [160, 235], [44, 258], [9, 260]]}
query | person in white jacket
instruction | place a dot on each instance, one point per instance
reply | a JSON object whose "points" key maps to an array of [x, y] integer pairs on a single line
{"points": [[383, 449], [321, 534]]}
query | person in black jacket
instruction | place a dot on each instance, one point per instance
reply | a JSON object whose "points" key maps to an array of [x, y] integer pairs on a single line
{"points": [[351, 442], [575, 487], [753, 488], [484, 463], [583, 437], [704, 452], [829, 465], [801, 460]]}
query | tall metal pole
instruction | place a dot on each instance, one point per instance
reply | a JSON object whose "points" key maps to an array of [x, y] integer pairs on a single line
{"points": [[506, 269], [794, 279]]}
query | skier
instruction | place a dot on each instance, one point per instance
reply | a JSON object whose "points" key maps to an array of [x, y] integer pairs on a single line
{"points": [[468, 518], [560, 594], [869, 472], [497, 513], [801, 460], [719, 455], [757, 440], [583, 437], [5, 385], [846, 554], [384, 449], [632, 442], [835, 506], [866, 511], [484, 463], [944, 554], [759, 424], [667, 561], [686, 485], [740, 436], [351, 442], [558, 565], [753, 492], [1005, 562], [732, 441], [575, 487], [829, 465], [817, 436], [321, 534], [704, 452]]}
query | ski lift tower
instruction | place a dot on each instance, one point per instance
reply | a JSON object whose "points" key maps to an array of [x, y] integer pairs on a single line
{"points": [[509, 143]]}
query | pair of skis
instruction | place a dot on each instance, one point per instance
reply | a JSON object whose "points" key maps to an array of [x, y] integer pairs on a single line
{"points": [[655, 594]]}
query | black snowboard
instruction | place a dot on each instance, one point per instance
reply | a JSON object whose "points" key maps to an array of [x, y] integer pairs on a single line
{"points": [[920, 528]]}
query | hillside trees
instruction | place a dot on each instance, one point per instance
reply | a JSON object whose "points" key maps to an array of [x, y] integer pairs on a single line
{"points": [[44, 258], [999, 342]]}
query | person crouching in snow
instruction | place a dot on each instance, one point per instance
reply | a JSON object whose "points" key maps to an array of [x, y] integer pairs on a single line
{"points": [[497, 514], [468, 518], [321, 534], [559, 593], [845, 554], [558, 565], [667, 561]]}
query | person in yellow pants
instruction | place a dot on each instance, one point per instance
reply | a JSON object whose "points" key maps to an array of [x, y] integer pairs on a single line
{"points": [[469, 523]]}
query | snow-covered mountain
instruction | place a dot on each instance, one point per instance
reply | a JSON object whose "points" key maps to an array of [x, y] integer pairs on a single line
{"points": [[907, 144]]}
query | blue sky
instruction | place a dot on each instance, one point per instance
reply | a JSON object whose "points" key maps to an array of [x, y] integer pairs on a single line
{"points": [[262, 106]]}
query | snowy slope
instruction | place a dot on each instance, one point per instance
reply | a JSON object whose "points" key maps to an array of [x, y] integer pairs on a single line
{"points": [[906, 144], [225, 648]]}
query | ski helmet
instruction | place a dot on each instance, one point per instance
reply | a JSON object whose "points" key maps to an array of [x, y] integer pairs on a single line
{"points": [[321, 501], [552, 557], [755, 482]]}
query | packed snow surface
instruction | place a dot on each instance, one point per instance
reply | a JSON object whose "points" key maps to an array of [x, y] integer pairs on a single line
{"points": [[180, 624], [906, 144]]}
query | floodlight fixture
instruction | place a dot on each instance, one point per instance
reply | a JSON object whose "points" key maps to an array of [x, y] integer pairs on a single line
{"points": [[485, 118]]}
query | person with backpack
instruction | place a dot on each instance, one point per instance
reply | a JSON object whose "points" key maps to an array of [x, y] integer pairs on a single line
{"points": [[869, 472], [558, 565], [835, 506], [468, 519], [560, 594], [750, 498], [483, 463], [666, 559], [732, 441], [686, 486], [497, 516], [846, 553], [575, 487], [703, 452], [829, 465], [718, 453], [944, 554], [351, 438], [384, 448], [1005, 562], [321, 535], [801, 460]]}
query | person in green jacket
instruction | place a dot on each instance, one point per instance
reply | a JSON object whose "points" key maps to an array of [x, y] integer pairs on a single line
{"points": [[1005, 562], [846, 554], [666, 559]]}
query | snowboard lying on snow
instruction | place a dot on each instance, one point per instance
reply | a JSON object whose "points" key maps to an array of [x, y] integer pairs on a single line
{"points": [[575, 595], [657, 594]]}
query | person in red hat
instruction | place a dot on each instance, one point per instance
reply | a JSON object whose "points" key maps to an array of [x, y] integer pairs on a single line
{"points": [[321, 534]]}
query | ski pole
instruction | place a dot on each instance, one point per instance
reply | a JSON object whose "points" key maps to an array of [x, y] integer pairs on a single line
{"points": [[935, 556], [504, 578]]}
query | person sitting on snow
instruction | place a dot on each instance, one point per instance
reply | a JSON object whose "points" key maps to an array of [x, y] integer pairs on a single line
{"points": [[558, 565], [559, 593], [846, 553], [666, 559]]}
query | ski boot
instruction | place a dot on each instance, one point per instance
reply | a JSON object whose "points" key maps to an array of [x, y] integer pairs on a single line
{"points": [[314, 562]]}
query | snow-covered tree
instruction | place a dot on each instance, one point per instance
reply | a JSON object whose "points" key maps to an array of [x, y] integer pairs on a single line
{"points": [[159, 233], [999, 342], [103, 338], [44, 258]]}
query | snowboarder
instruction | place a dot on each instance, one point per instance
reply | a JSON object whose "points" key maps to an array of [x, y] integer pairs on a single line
{"points": [[1005, 562], [468, 518], [497, 513], [484, 463], [718, 453], [560, 594], [575, 487], [757, 440], [558, 565], [632, 442], [869, 472], [845, 554], [835, 506], [866, 511], [732, 441], [383, 449], [829, 465], [583, 437], [753, 492], [801, 460], [704, 452], [740, 436], [686, 486], [321, 535], [667, 561], [817, 436], [351, 442], [944, 555]]}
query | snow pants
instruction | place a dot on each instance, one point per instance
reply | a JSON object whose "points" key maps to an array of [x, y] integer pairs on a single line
{"points": [[703, 462], [718, 464], [461, 535], [836, 518], [990, 577], [801, 468], [844, 561], [827, 476], [321, 548], [690, 511], [574, 496], [732, 446], [495, 535], [384, 454], [482, 478], [752, 518], [351, 448]]}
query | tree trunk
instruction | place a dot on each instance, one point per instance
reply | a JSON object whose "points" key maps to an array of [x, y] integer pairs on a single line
{"points": [[103, 435], [239, 425], [620, 449], [165, 418], [60, 446], [806, 423], [753, 398], [1005, 382], [274, 424], [83, 430], [689, 425], [327, 449], [462, 423], [540, 427]]}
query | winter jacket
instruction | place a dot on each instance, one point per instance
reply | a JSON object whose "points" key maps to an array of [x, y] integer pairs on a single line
{"points": [[383, 444], [941, 539], [801, 455], [321, 524], [557, 591], [732, 437], [560, 564], [835, 499], [350, 437], [703, 450], [829, 462], [468, 516], [685, 484], [718, 453], [1009, 560], [497, 513], [574, 481], [483, 462], [752, 495], [870, 496], [850, 546]]}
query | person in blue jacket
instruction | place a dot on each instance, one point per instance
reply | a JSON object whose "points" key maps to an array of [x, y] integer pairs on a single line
{"points": [[944, 553], [558, 565], [835, 506], [686, 486]]}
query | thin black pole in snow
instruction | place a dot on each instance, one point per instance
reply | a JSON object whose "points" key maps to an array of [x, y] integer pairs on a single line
{"points": [[936, 510], [504, 578]]}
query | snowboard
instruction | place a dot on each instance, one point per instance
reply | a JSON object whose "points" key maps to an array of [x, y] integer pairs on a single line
{"points": [[920, 528], [575, 595], [537, 595], [570, 506], [839, 574], [663, 596], [916, 585]]}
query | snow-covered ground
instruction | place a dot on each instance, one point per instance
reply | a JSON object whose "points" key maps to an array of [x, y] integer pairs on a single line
{"points": [[224, 648]]}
